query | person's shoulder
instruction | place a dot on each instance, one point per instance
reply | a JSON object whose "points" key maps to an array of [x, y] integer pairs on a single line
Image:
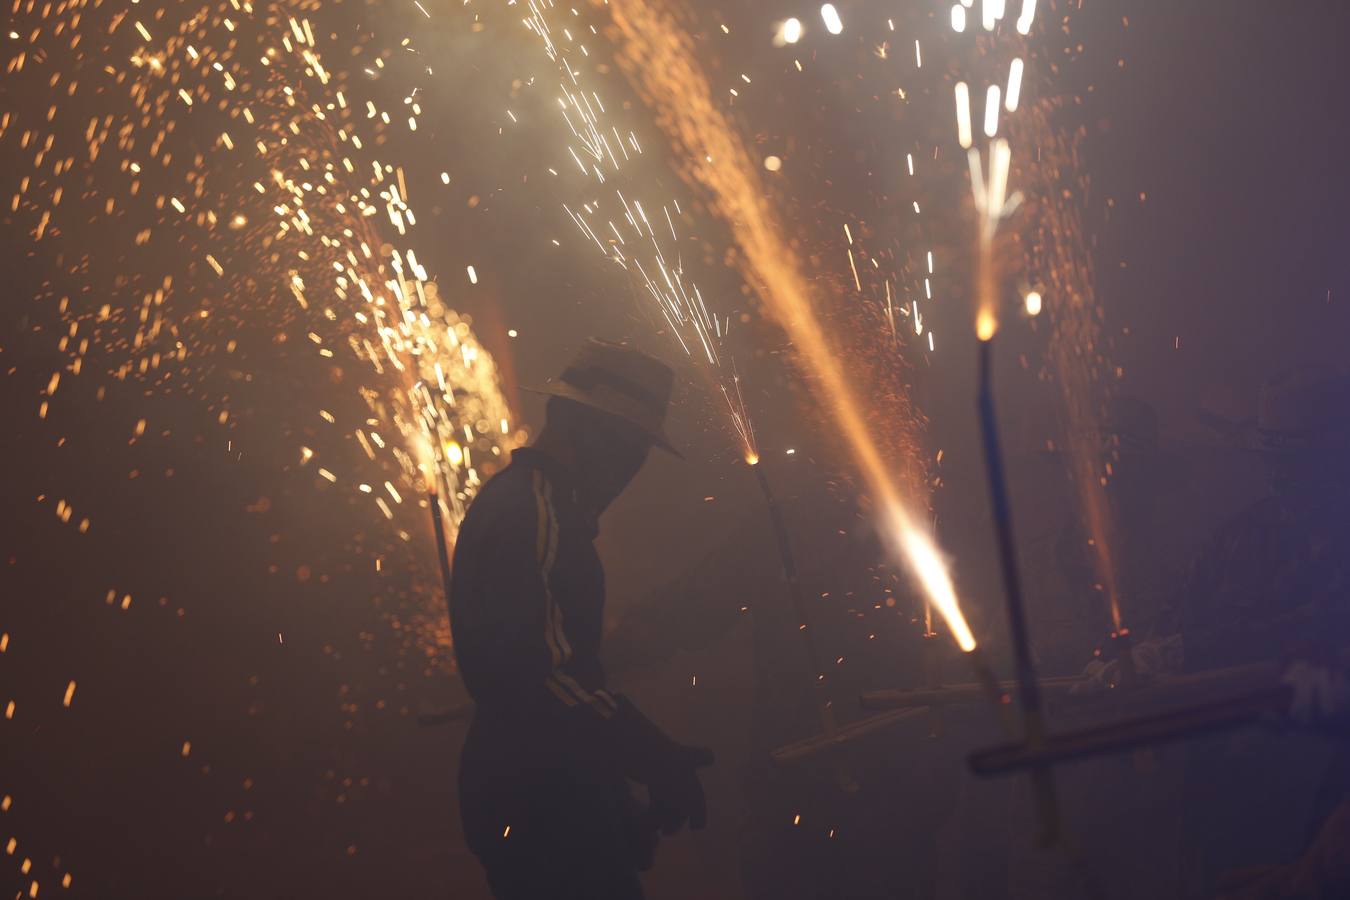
{"points": [[510, 489], [508, 499]]}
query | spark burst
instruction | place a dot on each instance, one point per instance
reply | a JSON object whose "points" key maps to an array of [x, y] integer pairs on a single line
{"points": [[279, 222], [1057, 250], [642, 239], [657, 55], [1077, 344], [211, 199]]}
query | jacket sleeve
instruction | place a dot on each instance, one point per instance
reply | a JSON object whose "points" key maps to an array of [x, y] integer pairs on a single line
{"points": [[518, 617]]}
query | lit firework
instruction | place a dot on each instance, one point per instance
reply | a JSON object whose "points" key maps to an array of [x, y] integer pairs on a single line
{"points": [[656, 53], [1077, 344], [989, 172], [1057, 250], [610, 213]]}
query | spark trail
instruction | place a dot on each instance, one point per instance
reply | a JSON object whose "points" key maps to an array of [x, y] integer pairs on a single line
{"points": [[642, 239], [657, 54], [1058, 252], [1077, 345]]}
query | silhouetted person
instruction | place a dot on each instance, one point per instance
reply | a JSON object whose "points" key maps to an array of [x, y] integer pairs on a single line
{"points": [[1273, 581], [544, 790]]}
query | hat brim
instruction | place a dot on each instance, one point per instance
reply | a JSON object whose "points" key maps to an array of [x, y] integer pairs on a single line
{"points": [[562, 389]]}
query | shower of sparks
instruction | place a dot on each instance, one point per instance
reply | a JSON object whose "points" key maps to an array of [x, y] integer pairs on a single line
{"points": [[642, 239], [1058, 251], [989, 171], [896, 291], [1077, 346], [657, 55], [185, 256]]}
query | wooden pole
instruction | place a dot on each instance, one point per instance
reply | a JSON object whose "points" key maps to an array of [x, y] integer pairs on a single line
{"points": [[1141, 731]]}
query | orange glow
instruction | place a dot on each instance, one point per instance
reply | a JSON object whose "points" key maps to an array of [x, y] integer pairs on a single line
{"points": [[426, 461], [1069, 300], [985, 325], [657, 53], [926, 563]]}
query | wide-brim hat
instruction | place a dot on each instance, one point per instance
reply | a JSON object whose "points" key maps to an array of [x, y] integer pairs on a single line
{"points": [[622, 382]]}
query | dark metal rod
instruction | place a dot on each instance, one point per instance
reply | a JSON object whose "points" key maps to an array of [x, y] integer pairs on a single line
{"points": [[798, 597], [1029, 692], [1028, 688]]}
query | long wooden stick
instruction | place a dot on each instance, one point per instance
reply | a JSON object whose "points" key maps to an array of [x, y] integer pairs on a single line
{"points": [[957, 694], [844, 734], [463, 710], [1246, 708]]}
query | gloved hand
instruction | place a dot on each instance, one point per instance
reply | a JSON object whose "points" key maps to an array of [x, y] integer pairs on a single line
{"points": [[675, 793], [669, 769], [1152, 658], [1320, 695]]}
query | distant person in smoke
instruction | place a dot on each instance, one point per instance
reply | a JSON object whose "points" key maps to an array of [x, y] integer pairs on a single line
{"points": [[544, 777], [1266, 814], [1275, 582], [1272, 582]]}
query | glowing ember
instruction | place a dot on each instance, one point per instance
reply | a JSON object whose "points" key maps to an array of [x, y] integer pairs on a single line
{"points": [[833, 24]]}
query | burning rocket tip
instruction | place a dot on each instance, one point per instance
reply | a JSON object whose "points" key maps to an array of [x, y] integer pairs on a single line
{"points": [[986, 324]]}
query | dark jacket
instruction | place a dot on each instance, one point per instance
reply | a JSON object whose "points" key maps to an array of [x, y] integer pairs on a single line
{"points": [[1273, 581], [527, 603]]}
